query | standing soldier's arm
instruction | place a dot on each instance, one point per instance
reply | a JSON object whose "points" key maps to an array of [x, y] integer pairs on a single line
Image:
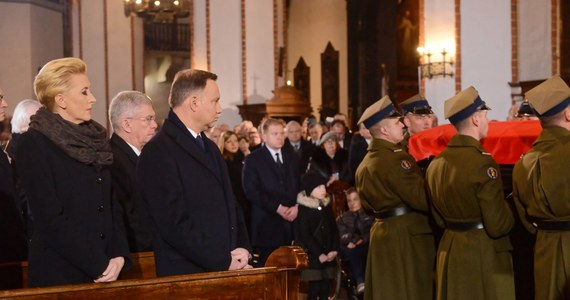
{"points": [[496, 214]]}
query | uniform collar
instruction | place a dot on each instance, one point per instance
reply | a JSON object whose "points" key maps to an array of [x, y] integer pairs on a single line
{"points": [[377, 144], [553, 134], [460, 140]]}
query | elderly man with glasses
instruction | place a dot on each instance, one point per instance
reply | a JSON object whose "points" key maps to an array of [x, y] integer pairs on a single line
{"points": [[133, 123]]}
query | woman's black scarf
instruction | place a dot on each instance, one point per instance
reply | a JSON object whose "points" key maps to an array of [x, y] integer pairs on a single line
{"points": [[86, 142]]}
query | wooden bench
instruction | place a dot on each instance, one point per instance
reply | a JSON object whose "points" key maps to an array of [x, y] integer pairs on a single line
{"points": [[279, 279]]}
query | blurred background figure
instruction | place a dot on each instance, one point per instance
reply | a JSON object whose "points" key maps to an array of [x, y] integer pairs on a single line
{"points": [[330, 160], [5, 131], [525, 112], [243, 128], [354, 230], [358, 149], [342, 132], [254, 139], [315, 132], [234, 157], [21, 122], [12, 232], [243, 142], [214, 134], [296, 143]]}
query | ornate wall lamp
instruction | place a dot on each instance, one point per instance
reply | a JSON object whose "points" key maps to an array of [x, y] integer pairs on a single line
{"points": [[430, 69], [163, 11]]}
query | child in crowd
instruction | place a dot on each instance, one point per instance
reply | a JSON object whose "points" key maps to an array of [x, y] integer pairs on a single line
{"points": [[354, 229], [318, 234]]}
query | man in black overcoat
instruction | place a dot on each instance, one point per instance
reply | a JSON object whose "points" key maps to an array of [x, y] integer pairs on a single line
{"points": [[196, 222], [12, 234], [295, 142]]}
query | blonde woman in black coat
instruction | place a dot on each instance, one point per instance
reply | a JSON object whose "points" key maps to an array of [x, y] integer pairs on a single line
{"points": [[63, 163]]}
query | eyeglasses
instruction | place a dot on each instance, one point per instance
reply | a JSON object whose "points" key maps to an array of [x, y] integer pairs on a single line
{"points": [[147, 120]]}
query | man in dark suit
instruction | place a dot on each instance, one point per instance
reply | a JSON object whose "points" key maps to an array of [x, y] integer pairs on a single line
{"points": [[132, 120], [196, 222], [12, 234], [295, 142], [358, 150], [343, 134], [271, 183], [315, 132]]}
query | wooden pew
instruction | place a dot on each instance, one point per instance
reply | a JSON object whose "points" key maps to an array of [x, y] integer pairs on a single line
{"points": [[14, 275], [279, 279]]}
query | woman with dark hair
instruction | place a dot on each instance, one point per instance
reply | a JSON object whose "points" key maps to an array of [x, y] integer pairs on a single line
{"points": [[234, 157], [330, 160], [63, 163]]}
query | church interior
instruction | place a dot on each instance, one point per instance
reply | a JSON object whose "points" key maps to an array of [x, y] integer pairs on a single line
{"points": [[339, 55], [287, 59]]}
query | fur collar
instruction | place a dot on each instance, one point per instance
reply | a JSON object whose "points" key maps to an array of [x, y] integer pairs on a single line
{"points": [[311, 202]]}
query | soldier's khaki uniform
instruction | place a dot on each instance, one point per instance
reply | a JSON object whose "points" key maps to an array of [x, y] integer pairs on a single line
{"points": [[401, 254], [541, 190], [466, 192], [465, 186]]}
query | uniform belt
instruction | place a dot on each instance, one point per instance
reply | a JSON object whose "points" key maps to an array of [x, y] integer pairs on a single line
{"points": [[396, 212], [464, 226], [552, 225]]}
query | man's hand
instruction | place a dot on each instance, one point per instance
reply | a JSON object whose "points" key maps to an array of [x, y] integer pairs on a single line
{"points": [[283, 211], [323, 258], [113, 270], [293, 212], [351, 245], [288, 213], [240, 257], [332, 255]]}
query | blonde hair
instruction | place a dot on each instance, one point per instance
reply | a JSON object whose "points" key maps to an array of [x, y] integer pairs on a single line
{"points": [[53, 79]]}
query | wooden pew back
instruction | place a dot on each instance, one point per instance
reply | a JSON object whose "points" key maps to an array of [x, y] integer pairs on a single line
{"points": [[278, 280]]}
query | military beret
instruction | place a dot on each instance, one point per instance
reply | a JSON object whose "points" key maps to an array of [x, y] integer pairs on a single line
{"points": [[378, 111], [416, 104], [549, 97], [463, 105]]}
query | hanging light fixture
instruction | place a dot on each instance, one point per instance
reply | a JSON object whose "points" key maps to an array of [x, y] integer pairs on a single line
{"points": [[159, 11]]}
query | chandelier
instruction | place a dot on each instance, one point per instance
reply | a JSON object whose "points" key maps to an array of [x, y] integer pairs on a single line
{"points": [[163, 11]]}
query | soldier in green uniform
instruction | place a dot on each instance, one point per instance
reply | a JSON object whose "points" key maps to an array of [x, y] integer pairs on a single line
{"points": [[401, 253], [466, 192], [418, 115], [541, 189]]}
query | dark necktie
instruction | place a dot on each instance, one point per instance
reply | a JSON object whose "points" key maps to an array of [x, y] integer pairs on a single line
{"points": [[278, 160], [296, 146], [200, 142]]}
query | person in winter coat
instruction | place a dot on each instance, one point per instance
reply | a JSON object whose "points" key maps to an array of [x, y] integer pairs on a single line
{"points": [[317, 232]]}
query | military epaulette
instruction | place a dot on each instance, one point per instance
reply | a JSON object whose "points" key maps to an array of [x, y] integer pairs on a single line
{"points": [[397, 150], [485, 153]]}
